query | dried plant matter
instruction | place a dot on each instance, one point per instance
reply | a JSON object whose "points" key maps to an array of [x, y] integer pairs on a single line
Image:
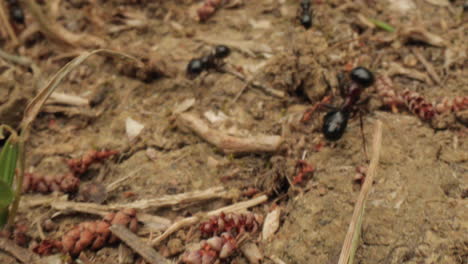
{"points": [[212, 250], [56, 32], [194, 219], [227, 143], [95, 235], [139, 246], [234, 223], [80, 165], [415, 102], [67, 183], [352, 236]]}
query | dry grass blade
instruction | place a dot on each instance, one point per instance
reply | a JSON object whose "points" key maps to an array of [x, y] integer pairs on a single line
{"points": [[36, 104], [352, 237]]}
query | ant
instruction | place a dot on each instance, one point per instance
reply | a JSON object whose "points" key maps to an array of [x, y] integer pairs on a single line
{"points": [[211, 61], [336, 120], [305, 15], [16, 13]]}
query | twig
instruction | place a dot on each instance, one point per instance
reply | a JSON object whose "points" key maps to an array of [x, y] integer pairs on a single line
{"points": [[6, 22], [138, 245], [179, 200], [352, 237], [194, 219], [227, 143], [20, 253], [427, 65], [61, 98]]}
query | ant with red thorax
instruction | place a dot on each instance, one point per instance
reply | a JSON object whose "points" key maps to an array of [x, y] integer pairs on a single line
{"points": [[336, 120]]}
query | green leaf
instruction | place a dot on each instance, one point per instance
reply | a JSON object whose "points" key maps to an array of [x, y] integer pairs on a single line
{"points": [[8, 159], [382, 25], [6, 195], [3, 217]]}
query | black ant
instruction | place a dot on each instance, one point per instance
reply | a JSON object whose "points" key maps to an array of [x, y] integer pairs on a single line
{"points": [[336, 120], [305, 15], [16, 13], [211, 61]]}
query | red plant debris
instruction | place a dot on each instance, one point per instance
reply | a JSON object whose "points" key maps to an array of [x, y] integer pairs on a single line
{"points": [[208, 9], [80, 165], [304, 169], [17, 234], [212, 250], [93, 235], [415, 102], [235, 224], [67, 183]]}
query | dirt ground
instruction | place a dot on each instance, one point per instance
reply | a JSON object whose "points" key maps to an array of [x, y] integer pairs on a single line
{"points": [[418, 210]]}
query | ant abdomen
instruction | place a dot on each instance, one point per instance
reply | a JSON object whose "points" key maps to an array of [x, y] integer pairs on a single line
{"points": [[195, 67], [334, 124]]}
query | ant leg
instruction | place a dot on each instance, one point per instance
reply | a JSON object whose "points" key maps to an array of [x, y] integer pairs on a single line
{"points": [[324, 103], [341, 84], [364, 145]]}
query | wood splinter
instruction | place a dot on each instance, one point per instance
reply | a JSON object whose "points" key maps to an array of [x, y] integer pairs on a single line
{"points": [[227, 143]]}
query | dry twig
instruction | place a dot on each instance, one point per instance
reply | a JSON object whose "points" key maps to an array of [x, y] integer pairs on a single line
{"points": [[139, 246], [66, 99], [179, 200], [352, 237], [227, 143]]}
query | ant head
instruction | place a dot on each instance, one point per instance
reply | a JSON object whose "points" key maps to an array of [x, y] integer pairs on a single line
{"points": [[362, 76], [195, 67], [222, 51]]}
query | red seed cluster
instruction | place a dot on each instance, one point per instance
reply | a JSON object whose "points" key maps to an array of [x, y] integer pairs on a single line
{"points": [[93, 235], [415, 102], [67, 183], [235, 224], [457, 104], [208, 9], [418, 105], [387, 94], [80, 165], [212, 250]]}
